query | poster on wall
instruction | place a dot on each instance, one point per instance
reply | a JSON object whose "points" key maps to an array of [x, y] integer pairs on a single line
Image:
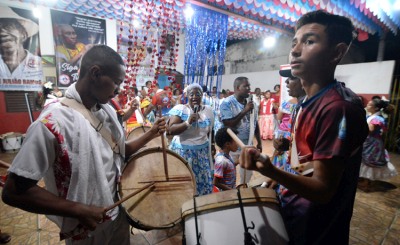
{"points": [[20, 61], [73, 36]]}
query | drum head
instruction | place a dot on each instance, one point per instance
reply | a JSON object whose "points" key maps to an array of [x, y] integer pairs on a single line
{"points": [[159, 206]]}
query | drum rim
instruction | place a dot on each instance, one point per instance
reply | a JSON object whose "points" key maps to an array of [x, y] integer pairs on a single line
{"points": [[139, 223], [203, 203]]}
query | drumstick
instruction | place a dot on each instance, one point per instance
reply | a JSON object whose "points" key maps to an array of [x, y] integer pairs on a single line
{"points": [[164, 150], [144, 119], [4, 164], [128, 196], [235, 138]]}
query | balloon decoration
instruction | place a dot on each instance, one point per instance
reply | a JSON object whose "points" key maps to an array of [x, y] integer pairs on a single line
{"points": [[273, 16], [205, 47]]}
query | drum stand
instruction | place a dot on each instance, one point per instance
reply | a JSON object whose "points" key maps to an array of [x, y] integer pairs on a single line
{"points": [[248, 239]]}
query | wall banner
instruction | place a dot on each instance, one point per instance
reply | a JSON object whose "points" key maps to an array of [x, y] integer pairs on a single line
{"points": [[73, 36], [20, 63]]}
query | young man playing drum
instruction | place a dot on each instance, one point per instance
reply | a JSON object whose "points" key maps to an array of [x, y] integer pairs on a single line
{"points": [[328, 134], [81, 166]]}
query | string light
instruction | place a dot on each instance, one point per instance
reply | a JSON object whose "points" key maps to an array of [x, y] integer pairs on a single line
{"points": [[269, 42]]}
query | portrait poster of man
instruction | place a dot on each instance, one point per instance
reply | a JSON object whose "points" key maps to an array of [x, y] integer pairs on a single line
{"points": [[20, 63], [73, 36]]}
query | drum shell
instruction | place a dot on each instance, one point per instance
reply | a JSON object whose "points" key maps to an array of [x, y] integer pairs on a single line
{"points": [[158, 207], [220, 221], [138, 131]]}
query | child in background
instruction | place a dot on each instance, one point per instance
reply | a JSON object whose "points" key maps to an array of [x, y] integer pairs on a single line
{"points": [[225, 168], [266, 118]]}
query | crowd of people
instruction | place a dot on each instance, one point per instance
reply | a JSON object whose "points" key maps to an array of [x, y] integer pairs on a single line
{"points": [[318, 136]]}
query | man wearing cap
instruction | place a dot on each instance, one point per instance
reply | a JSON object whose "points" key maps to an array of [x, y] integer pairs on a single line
{"points": [[16, 62]]}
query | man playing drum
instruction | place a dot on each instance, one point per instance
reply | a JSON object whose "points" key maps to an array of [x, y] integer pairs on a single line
{"points": [[328, 134], [81, 166]]}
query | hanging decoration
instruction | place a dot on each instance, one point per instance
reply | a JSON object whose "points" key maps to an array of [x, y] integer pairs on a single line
{"points": [[148, 40], [205, 47]]}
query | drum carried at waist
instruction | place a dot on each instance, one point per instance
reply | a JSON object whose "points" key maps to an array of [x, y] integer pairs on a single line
{"points": [[220, 221], [160, 205]]}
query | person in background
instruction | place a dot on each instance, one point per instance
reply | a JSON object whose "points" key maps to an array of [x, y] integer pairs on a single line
{"points": [[328, 133], [287, 113], [238, 113], [266, 120], [277, 101], [69, 50], [375, 164], [16, 62], [123, 114], [191, 124], [257, 97], [225, 167], [80, 167]]}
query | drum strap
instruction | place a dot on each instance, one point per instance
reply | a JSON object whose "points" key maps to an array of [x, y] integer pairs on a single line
{"points": [[94, 121]]}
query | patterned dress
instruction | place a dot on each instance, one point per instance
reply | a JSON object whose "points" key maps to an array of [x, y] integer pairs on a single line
{"points": [[193, 145], [375, 158]]}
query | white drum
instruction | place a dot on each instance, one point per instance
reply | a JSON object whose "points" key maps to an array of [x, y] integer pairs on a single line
{"points": [[219, 218], [11, 141]]}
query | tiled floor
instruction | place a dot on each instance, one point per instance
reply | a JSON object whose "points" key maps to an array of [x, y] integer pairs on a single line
{"points": [[376, 218]]}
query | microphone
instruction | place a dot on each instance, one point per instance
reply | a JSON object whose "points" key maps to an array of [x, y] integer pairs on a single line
{"points": [[196, 108], [250, 99]]}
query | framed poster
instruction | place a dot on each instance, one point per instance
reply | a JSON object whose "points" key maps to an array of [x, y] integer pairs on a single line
{"points": [[20, 63], [73, 35]]}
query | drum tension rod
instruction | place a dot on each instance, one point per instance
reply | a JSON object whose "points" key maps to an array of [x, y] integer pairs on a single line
{"points": [[198, 234], [248, 239]]}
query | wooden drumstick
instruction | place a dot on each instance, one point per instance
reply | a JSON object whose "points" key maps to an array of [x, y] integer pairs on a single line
{"points": [[129, 196], [235, 138], [164, 149], [4, 164], [144, 119]]}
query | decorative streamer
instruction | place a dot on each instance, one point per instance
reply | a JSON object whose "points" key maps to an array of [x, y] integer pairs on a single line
{"points": [[205, 47]]}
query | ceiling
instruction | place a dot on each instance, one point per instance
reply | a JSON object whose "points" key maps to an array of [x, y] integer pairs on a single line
{"points": [[248, 19]]}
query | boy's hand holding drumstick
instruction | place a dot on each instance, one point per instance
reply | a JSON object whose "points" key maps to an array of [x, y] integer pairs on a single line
{"points": [[251, 158]]}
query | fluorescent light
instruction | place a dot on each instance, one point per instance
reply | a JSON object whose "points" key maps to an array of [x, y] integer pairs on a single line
{"points": [[36, 12], [269, 42], [189, 12]]}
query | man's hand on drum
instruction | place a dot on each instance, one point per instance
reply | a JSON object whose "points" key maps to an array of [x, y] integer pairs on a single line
{"points": [[91, 216], [159, 126], [251, 159]]}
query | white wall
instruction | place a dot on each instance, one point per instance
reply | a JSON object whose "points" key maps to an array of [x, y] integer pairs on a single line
{"points": [[362, 78]]}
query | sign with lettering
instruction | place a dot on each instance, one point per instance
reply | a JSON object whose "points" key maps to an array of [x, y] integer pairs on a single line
{"points": [[20, 63], [73, 36]]}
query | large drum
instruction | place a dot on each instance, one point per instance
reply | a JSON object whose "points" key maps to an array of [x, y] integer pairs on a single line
{"points": [[219, 218], [159, 206], [138, 131]]}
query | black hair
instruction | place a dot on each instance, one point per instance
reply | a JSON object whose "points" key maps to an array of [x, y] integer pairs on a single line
{"points": [[339, 29], [277, 85], [238, 81], [382, 105], [103, 56], [222, 137], [376, 97]]}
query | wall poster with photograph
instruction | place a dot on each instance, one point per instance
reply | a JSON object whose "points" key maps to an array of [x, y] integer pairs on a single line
{"points": [[20, 61], [73, 36]]}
